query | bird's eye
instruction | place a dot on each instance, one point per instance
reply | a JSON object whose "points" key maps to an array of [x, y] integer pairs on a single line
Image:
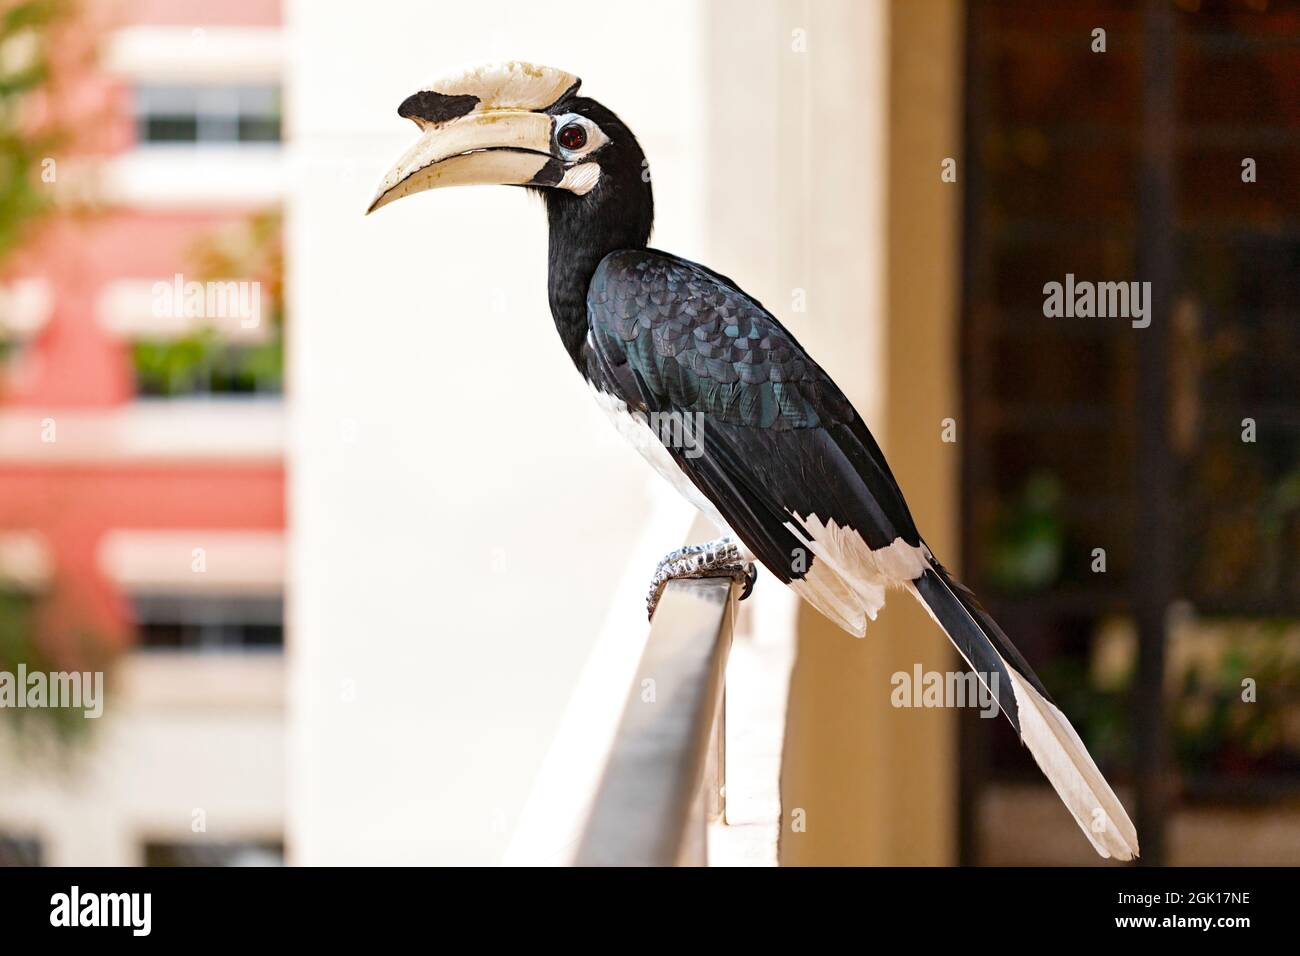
{"points": [[572, 137]]}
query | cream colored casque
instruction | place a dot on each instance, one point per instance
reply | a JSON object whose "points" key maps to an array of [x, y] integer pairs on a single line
{"points": [[502, 140]]}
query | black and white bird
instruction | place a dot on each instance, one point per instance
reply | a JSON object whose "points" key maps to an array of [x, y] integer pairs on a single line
{"points": [[776, 457]]}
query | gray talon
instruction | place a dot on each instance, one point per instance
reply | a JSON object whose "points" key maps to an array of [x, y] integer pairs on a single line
{"points": [[719, 558]]}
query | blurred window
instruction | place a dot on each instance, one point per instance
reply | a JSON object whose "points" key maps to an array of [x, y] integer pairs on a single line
{"points": [[241, 853], [206, 365], [206, 115], [19, 850], [206, 622]]}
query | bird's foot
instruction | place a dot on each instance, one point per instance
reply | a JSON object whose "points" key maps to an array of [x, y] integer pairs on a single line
{"points": [[713, 559]]}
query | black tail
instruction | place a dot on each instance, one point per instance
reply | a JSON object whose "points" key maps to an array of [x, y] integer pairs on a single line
{"points": [[1042, 727]]}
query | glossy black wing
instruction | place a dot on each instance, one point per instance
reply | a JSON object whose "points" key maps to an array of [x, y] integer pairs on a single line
{"points": [[778, 436]]}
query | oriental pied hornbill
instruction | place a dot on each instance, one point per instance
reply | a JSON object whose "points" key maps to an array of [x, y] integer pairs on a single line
{"points": [[782, 463]]}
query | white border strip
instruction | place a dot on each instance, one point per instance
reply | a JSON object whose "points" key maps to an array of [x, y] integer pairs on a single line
{"points": [[162, 430], [196, 54]]}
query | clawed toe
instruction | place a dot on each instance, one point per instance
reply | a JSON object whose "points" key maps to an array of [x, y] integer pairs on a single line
{"points": [[721, 558], [751, 577]]}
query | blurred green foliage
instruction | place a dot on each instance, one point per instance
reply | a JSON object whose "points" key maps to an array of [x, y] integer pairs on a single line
{"points": [[1027, 546], [28, 30], [25, 38], [206, 362], [48, 729], [1217, 732]]}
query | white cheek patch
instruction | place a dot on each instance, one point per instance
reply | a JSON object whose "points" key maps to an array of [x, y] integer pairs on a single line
{"points": [[580, 180]]}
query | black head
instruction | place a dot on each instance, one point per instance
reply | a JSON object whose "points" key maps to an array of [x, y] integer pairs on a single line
{"points": [[524, 125], [614, 202]]}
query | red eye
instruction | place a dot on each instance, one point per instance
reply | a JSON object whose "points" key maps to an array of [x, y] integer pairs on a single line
{"points": [[572, 137]]}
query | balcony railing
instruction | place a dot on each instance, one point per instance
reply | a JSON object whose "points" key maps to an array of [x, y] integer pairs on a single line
{"points": [[664, 780]]}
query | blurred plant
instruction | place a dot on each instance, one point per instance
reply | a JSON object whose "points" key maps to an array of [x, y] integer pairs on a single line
{"points": [[48, 729], [32, 131], [1214, 732], [1280, 524], [26, 31], [205, 361], [1245, 552], [1026, 548]]}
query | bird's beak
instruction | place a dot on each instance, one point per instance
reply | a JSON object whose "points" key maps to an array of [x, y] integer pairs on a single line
{"points": [[499, 147]]}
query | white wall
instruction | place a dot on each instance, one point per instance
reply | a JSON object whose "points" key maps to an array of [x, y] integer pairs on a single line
{"points": [[452, 557]]}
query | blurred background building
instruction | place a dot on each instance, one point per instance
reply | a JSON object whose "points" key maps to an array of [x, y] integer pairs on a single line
{"points": [[142, 454], [386, 682]]}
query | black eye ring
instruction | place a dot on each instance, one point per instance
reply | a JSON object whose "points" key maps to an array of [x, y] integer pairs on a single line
{"points": [[572, 137]]}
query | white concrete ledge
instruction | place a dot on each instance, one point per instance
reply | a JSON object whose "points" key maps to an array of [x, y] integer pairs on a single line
{"points": [[178, 430], [147, 682], [194, 561], [177, 54], [190, 175]]}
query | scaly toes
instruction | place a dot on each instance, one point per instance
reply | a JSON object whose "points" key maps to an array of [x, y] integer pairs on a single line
{"points": [[712, 559]]}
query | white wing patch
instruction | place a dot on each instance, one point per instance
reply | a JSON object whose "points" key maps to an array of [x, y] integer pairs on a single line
{"points": [[848, 579]]}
